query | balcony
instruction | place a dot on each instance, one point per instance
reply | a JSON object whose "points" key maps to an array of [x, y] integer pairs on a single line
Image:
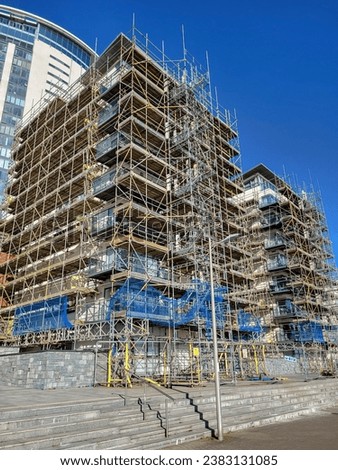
{"points": [[94, 311], [309, 331], [102, 264], [271, 221], [119, 260], [107, 113], [274, 242], [113, 77], [279, 287], [103, 185], [278, 262], [286, 309], [267, 201], [106, 149], [103, 222]]}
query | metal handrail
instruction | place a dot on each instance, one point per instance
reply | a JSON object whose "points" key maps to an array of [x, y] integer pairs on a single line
{"points": [[156, 386]]}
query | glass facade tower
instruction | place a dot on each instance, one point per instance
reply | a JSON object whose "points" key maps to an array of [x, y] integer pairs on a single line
{"points": [[37, 58]]}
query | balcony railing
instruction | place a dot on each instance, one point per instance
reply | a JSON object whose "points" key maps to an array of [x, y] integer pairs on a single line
{"points": [[110, 144], [119, 260], [107, 113], [270, 221], [274, 242], [268, 200], [103, 221], [279, 287], [114, 76], [104, 182], [277, 263], [288, 309], [94, 311], [103, 262]]}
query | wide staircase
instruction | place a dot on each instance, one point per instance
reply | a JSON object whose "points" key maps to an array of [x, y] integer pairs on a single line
{"points": [[156, 418]]}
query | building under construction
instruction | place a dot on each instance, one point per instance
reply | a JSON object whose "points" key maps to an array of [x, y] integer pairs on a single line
{"points": [[116, 189], [292, 264]]}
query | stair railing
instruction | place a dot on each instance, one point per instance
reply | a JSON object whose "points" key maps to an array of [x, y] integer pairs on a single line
{"points": [[167, 399]]}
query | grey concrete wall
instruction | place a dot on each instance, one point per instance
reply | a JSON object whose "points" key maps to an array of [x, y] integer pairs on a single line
{"points": [[48, 369]]}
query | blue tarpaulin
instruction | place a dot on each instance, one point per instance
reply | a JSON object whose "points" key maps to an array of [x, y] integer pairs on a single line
{"points": [[139, 300], [41, 316], [248, 322], [310, 331]]}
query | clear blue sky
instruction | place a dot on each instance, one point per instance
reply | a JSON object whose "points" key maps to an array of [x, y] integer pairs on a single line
{"points": [[275, 62]]}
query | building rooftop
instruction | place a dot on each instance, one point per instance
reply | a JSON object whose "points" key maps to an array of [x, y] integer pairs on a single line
{"points": [[29, 18]]}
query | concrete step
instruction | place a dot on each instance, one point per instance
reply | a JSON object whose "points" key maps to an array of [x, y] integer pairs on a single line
{"points": [[101, 422], [178, 438], [69, 418], [185, 433], [208, 410], [114, 423], [234, 421], [70, 407], [316, 401], [118, 442], [71, 440], [106, 424], [147, 432], [238, 392], [229, 401], [183, 420], [266, 420]]}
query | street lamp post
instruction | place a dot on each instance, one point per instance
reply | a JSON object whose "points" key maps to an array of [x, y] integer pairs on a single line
{"points": [[215, 348], [214, 339]]}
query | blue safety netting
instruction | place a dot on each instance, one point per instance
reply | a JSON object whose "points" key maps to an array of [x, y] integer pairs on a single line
{"points": [[41, 316], [310, 331], [247, 322], [139, 300]]}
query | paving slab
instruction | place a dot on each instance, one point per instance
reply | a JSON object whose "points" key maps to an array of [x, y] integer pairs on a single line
{"points": [[315, 432], [13, 396]]}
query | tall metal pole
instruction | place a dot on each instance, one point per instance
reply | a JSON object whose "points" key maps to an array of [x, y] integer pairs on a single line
{"points": [[215, 348]]}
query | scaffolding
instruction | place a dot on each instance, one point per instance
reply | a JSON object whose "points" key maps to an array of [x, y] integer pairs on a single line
{"points": [[116, 187], [294, 277]]}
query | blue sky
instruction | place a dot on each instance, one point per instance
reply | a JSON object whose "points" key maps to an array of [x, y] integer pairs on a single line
{"points": [[275, 62]]}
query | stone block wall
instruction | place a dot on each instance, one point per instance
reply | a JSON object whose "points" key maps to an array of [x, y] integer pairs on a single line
{"points": [[4, 350], [48, 369]]}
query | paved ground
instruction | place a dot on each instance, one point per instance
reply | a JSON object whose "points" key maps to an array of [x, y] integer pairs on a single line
{"points": [[12, 397], [315, 432]]}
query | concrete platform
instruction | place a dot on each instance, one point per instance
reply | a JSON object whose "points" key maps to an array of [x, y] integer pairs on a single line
{"points": [[13, 396]]}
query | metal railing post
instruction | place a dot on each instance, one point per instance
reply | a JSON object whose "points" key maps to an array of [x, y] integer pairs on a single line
{"points": [[166, 409]]}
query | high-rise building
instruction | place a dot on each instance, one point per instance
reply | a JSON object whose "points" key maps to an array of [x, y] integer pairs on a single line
{"points": [[293, 271], [132, 171], [131, 230], [37, 58]]}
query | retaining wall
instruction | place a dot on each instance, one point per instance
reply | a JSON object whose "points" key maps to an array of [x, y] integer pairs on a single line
{"points": [[4, 350], [48, 369]]}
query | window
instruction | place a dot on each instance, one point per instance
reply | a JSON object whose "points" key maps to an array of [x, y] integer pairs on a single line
{"points": [[4, 162], [15, 100], [16, 33], [107, 293], [64, 45]]}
